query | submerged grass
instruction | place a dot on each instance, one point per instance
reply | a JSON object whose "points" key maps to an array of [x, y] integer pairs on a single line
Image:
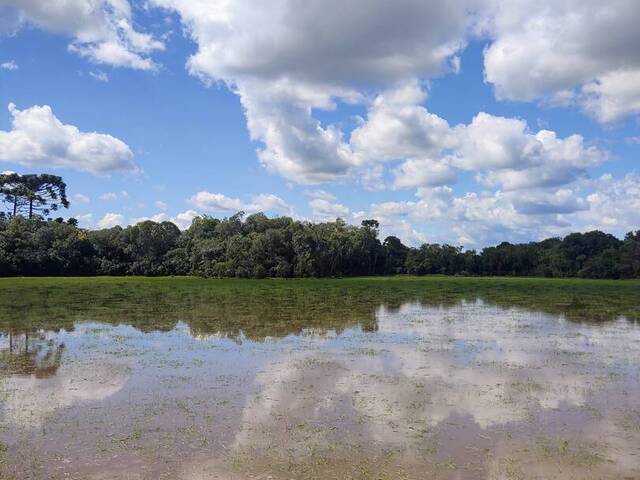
{"points": [[283, 306], [347, 408]]}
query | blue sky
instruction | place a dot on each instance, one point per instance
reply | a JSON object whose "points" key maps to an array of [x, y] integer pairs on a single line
{"points": [[468, 122]]}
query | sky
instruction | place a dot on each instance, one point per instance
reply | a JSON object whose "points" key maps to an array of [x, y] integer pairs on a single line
{"points": [[469, 122]]}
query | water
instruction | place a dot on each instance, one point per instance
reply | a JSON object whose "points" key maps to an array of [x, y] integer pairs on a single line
{"points": [[320, 380]]}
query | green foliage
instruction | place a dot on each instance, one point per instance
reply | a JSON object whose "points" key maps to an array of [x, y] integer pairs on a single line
{"points": [[32, 194], [259, 247]]}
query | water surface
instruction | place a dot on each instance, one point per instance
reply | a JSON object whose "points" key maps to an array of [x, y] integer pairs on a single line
{"points": [[340, 379]]}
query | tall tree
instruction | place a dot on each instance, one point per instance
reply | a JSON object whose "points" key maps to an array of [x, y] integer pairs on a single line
{"points": [[32, 194], [13, 192]]}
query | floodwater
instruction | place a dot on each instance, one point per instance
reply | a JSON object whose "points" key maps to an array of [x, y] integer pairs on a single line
{"points": [[320, 380]]}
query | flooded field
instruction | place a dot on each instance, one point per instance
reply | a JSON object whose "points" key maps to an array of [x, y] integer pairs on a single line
{"points": [[439, 378]]}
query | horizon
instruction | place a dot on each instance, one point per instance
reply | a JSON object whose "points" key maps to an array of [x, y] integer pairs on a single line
{"points": [[468, 122]]}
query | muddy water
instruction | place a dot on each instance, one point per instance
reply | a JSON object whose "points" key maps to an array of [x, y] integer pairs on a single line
{"points": [[363, 382]]}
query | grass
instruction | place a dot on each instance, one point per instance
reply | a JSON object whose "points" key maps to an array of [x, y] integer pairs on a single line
{"points": [[279, 307]]}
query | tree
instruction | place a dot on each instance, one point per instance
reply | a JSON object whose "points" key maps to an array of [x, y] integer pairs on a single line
{"points": [[395, 255], [257, 246], [13, 192], [32, 194]]}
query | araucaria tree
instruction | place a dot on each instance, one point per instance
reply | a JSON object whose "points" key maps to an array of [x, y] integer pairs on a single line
{"points": [[12, 191], [29, 195]]}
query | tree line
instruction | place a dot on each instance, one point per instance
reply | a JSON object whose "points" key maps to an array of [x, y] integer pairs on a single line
{"points": [[256, 246]]}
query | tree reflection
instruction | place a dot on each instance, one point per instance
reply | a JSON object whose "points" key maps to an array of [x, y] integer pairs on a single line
{"points": [[31, 353], [257, 310]]}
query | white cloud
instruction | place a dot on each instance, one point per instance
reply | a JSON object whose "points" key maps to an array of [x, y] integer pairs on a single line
{"points": [[218, 202], [161, 205], [39, 139], [111, 220], [321, 43], [503, 151], [85, 220], [108, 196], [181, 220], [268, 202], [158, 217], [99, 76], [516, 158], [10, 65], [423, 172], [398, 127], [583, 51], [322, 194], [296, 145], [314, 53], [282, 72], [80, 198], [563, 201], [286, 59], [323, 209], [102, 31], [614, 205], [477, 219], [613, 95]]}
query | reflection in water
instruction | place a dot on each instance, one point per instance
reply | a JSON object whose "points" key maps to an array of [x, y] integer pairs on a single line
{"points": [[37, 385], [31, 354], [315, 380]]}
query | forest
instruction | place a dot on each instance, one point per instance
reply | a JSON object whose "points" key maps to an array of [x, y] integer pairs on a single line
{"points": [[256, 246]]}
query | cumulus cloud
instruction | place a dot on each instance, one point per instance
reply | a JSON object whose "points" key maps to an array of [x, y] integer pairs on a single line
{"points": [[477, 219], [543, 203], [315, 53], [289, 59], [328, 43], [218, 202], [399, 127], [423, 172], [108, 196], [581, 51], [111, 220], [614, 205], [85, 220], [503, 151], [286, 59], [323, 209], [613, 95], [515, 158], [158, 217], [321, 194], [283, 72], [102, 31], [296, 145], [80, 198], [39, 139], [182, 220]]}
